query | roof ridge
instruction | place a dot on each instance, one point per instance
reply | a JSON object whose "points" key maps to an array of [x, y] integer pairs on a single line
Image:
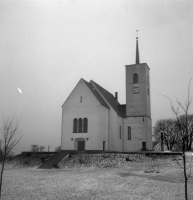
{"points": [[96, 94], [116, 106], [102, 88]]}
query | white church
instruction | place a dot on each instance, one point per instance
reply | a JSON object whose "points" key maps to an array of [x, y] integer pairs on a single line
{"points": [[93, 119]]}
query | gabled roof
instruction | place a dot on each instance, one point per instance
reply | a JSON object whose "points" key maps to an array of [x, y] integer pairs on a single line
{"points": [[96, 94], [119, 109], [104, 96]]}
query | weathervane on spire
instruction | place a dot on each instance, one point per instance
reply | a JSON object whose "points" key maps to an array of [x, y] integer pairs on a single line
{"points": [[137, 49]]}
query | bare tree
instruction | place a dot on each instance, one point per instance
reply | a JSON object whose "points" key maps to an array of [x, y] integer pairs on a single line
{"points": [[41, 148], [184, 122], [58, 149], [34, 148], [10, 134], [165, 134], [184, 132]]}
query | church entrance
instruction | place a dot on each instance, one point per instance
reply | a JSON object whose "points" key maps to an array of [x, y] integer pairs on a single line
{"points": [[80, 144], [143, 145]]}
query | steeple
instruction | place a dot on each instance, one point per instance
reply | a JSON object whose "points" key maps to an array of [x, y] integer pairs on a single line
{"points": [[137, 49]]}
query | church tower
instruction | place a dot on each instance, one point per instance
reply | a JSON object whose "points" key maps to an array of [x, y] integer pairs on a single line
{"points": [[138, 105]]}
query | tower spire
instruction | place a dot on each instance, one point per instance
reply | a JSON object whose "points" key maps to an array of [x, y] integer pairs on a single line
{"points": [[137, 48]]}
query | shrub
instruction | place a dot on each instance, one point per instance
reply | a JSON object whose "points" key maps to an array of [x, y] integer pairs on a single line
{"points": [[70, 156], [28, 154], [128, 159], [43, 159], [55, 166], [81, 161], [26, 162]]}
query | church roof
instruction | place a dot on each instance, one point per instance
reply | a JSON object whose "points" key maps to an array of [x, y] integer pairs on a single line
{"points": [[105, 98], [119, 109], [96, 94]]}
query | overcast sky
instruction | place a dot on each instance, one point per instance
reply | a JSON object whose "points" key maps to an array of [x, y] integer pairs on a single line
{"points": [[47, 46]]}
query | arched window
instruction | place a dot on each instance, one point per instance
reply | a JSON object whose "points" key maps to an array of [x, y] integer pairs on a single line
{"points": [[80, 125], [75, 125], [135, 78], [85, 125]]}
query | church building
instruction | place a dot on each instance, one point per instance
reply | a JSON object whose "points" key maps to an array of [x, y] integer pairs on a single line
{"points": [[93, 118]]}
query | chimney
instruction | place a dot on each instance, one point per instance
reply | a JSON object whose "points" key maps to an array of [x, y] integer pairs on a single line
{"points": [[116, 96]]}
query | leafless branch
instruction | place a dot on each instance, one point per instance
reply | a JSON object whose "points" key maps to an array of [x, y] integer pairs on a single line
{"points": [[181, 167], [189, 175], [189, 90], [10, 138], [184, 132]]}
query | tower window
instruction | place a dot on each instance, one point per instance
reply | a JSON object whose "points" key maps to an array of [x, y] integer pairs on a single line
{"points": [[135, 78], [129, 133], [80, 99], [119, 132]]}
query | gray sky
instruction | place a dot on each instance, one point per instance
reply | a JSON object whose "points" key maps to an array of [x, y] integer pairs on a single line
{"points": [[47, 46]]}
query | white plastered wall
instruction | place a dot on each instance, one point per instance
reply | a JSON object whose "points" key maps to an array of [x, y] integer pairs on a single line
{"points": [[120, 141], [139, 133], [89, 108], [149, 139], [114, 143]]}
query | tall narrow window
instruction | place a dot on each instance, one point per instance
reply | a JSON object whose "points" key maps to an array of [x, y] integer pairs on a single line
{"points": [[80, 99], [147, 80], [135, 78], [80, 125], [129, 133], [119, 132], [75, 126], [85, 125]]}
